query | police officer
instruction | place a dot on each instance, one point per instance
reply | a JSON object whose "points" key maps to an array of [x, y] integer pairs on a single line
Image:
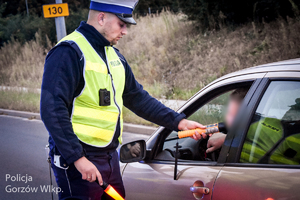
{"points": [[86, 82]]}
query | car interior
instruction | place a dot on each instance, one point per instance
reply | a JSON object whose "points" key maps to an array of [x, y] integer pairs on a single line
{"points": [[191, 150], [213, 112]]}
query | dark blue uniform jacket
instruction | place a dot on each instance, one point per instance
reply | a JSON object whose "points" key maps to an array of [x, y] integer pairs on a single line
{"points": [[63, 81]]}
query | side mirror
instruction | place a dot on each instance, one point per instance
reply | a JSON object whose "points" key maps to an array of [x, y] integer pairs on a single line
{"points": [[133, 151]]}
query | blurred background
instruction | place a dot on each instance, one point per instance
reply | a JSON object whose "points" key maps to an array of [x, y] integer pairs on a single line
{"points": [[176, 49]]}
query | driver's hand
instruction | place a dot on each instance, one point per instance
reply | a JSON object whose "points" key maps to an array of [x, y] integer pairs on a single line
{"points": [[215, 142], [198, 136]]}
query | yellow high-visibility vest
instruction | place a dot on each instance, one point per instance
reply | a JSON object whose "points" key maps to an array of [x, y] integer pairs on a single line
{"points": [[262, 136], [93, 124]]}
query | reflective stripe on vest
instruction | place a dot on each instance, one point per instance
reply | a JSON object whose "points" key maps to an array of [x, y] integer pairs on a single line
{"points": [[93, 124]]}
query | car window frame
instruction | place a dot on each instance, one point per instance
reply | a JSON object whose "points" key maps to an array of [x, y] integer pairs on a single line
{"points": [[211, 94], [240, 134]]}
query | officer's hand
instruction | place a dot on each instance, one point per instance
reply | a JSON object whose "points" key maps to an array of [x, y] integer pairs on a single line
{"points": [[88, 170], [215, 142], [185, 125], [198, 136], [135, 150]]}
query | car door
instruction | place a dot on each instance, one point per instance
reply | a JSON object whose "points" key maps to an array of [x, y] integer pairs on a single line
{"points": [[154, 177], [264, 153]]}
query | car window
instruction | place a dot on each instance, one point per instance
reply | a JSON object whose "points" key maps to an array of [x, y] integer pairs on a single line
{"points": [[212, 112], [274, 133]]}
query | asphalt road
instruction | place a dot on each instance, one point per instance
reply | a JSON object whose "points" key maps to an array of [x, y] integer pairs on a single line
{"points": [[22, 153]]}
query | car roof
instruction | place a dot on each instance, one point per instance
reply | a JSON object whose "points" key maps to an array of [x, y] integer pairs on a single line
{"points": [[292, 65], [282, 66], [287, 65]]}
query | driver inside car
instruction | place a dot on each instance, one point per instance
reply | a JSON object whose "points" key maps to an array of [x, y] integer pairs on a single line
{"points": [[216, 140], [279, 139]]}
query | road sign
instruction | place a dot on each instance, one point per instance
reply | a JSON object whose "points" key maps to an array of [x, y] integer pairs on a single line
{"points": [[56, 10]]}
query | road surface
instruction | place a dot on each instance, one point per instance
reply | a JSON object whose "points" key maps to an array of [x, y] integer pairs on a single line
{"points": [[23, 165]]}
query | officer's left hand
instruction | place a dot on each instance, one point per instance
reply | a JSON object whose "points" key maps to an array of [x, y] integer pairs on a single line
{"points": [[185, 125], [135, 150]]}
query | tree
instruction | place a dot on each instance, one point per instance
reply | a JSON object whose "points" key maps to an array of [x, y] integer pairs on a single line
{"points": [[156, 6], [14, 7], [14, 23], [212, 13]]}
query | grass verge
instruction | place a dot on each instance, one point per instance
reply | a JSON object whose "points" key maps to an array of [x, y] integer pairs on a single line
{"points": [[132, 118], [23, 101]]}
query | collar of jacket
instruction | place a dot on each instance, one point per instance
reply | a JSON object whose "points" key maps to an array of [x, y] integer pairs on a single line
{"points": [[93, 36]]}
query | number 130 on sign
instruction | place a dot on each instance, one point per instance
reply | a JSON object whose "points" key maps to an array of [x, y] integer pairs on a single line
{"points": [[56, 10]]}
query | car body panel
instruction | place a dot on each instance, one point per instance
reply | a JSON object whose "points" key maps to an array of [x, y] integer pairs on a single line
{"points": [[155, 181], [250, 183]]}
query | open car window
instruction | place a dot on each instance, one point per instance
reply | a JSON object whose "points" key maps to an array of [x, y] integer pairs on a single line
{"points": [[274, 133], [191, 150]]}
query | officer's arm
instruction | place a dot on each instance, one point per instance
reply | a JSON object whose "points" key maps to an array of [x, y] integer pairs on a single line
{"points": [[60, 80], [141, 103]]}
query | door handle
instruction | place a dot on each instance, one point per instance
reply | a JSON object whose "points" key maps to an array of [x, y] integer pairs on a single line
{"points": [[199, 191]]}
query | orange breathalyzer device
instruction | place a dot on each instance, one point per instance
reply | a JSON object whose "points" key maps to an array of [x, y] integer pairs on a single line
{"points": [[210, 129]]}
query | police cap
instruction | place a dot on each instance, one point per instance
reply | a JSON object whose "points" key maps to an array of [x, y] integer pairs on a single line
{"points": [[122, 8]]}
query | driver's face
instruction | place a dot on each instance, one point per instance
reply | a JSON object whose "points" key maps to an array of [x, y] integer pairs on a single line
{"points": [[232, 109]]}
